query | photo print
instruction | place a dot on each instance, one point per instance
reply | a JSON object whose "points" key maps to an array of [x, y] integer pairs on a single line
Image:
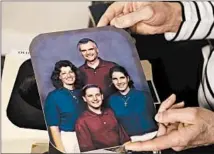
{"points": [[92, 88]]}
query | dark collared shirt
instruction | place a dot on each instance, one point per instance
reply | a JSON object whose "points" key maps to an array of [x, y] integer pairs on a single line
{"points": [[96, 131], [99, 76]]}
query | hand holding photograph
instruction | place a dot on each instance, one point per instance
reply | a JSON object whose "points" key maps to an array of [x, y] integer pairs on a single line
{"points": [[93, 89]]}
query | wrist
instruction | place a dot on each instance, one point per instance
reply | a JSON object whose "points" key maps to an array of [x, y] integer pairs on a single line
{"points": [[177, 16]]}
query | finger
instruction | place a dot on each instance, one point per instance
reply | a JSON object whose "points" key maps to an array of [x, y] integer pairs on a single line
{"points": [[175, 106], [167, 103], [180, 126], [172, 127], [159, 143], [113, 10], [161, 130], [178, 105], [178, 148], [132, 18], [175, 139], [185, 115], [146, 29]]}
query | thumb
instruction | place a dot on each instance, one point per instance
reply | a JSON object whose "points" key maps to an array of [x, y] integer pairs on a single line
{"points": [[184, 115], [132, 18], [168, 103]]}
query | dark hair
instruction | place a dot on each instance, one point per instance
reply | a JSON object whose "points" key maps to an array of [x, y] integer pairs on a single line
{"points": [[57, 83], [84, 41], [90, 86], [121, 69]]}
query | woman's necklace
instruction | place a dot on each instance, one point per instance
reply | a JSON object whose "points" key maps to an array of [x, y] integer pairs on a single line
{"points": [[125, 101], [74, 97]]}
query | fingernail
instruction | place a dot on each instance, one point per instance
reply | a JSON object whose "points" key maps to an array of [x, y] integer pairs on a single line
{"points": [[169, 98], [157, 116]]}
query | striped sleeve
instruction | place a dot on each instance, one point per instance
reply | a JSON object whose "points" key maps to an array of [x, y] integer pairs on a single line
{"points": [[198, 22], [206, 87]]}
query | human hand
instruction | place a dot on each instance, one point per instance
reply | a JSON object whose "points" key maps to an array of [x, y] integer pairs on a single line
{"points": [[144, 17], [169, 103], [195, 128]]}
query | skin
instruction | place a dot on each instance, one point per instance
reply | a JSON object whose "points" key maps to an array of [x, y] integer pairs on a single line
{"points": [[120, 82], [94, 99], [143, 17], [68, 77], [180, 128], [89, 52], [55, 132]]}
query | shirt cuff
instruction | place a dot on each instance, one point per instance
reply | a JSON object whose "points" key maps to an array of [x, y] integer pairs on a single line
{"points": [[197, 22]]}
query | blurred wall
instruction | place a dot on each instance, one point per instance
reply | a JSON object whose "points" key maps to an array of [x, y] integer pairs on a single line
{"points": [[21, 22]]}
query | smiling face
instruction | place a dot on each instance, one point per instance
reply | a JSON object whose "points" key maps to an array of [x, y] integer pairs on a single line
{"points": [[120, 81], [93, 98], [67, 76], [89, 51]]}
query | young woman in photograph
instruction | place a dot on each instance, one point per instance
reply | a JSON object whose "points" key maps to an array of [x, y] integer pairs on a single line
{"points": [[63, 106], [133, 108]]}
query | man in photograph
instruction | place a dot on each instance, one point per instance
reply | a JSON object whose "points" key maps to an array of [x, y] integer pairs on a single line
{"points": [[97, 127], [95, 70]]}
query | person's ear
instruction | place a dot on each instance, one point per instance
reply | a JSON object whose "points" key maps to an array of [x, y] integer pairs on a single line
{"points": [[102, 96]]}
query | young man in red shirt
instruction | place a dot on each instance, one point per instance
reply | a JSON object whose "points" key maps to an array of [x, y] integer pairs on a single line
{"points": [[97, 127]]}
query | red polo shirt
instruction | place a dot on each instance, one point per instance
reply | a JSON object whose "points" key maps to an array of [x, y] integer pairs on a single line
{"points": [[97, 131], [98, 76]]}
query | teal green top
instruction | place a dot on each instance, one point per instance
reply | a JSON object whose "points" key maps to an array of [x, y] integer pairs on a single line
{"points": [[134, 111], [62, 108]]}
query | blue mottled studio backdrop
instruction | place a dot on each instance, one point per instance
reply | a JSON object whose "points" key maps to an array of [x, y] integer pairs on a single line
{"points": [[113, 44]]}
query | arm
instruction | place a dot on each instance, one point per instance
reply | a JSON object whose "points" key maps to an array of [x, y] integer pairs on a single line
{"points": [[55, 133], [52, 118], [84, 136], [198, 22]]}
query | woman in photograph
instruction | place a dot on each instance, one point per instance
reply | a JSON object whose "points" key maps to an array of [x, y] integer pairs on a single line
{"points": [[63, 106], [133, 108]]}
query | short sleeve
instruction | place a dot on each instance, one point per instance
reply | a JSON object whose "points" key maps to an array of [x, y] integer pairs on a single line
{"points": [[52, 115]]}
